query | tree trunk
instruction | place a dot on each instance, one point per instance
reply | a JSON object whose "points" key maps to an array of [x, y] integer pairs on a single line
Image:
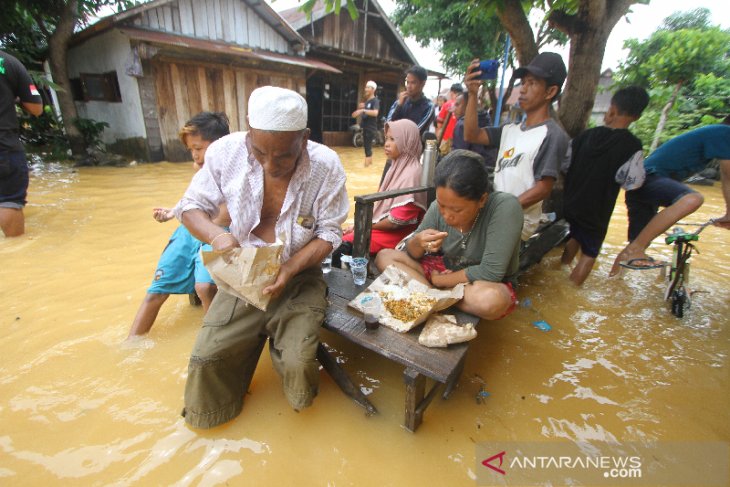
{"points": [[513, 18], [588, 29], [58, 48], [663, 117], [584, 72]]}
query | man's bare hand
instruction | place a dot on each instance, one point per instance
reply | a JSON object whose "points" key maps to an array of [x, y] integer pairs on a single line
{"points": [[471, 80], [282, 279], [224, 242], [438, 278], [402, 97]]}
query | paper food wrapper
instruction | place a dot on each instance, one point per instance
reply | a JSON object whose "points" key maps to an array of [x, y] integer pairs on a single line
{"points": [[443, 330], [406, 302], [245, 272]]}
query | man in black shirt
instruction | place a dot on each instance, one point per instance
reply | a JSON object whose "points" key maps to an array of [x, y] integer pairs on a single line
{"points": [[15, 82], [368, 112], [412, 103]]}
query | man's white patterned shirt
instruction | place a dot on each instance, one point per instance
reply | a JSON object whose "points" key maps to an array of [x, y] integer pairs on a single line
{"points": [[315, 204]]}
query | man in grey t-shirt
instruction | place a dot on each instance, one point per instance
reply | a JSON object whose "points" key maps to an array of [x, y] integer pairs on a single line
{"points": [[530, 153]]}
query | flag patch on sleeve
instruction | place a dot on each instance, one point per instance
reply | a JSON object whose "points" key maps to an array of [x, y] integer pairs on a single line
{"points": [[34, 91]]}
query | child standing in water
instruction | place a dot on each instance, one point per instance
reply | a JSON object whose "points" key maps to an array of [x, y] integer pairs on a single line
{"points": [[603, 160], [394, 218], [180, 269]]}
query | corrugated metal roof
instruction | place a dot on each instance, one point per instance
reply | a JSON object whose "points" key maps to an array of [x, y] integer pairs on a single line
{"points": [[264, 10], [162, 38]]}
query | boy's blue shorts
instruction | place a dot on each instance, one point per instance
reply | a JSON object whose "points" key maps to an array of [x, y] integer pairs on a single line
{"points": [[180, 265]]}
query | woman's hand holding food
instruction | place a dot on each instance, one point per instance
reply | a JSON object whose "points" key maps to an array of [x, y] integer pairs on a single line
{"points": [[430, 240]]}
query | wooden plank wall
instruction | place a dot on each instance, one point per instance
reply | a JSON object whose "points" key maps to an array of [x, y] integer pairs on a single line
{"points": [[185, 89], [231, 21], [341, 32]]}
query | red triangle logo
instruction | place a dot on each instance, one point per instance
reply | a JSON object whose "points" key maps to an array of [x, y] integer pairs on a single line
{"points": [[487, 462]]}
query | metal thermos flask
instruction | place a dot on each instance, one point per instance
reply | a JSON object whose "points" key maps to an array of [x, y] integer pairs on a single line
{"points": [[428, 161]]}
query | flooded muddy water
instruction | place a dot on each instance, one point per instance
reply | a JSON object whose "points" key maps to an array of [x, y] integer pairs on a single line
{"points": [[79, 407]]}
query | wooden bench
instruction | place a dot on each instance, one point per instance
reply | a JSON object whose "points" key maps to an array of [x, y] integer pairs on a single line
{"points": [[442, 365]]}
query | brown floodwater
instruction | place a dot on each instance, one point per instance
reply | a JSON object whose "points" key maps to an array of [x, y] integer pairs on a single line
{"points": [[80, 407]]}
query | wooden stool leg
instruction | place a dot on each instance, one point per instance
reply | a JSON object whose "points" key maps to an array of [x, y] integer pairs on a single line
{"points": [[415, 390], [343, 380], [454, 379]]}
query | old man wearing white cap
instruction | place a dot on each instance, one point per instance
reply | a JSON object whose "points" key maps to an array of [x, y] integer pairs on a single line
{"points": [[368, 113], [276, 183]]}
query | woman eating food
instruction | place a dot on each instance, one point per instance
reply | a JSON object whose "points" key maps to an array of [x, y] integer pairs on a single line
{"points": [[470, 235]]}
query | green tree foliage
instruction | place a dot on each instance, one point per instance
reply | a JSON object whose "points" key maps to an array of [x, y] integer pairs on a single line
{"points": [[586, 23], [686, 53], [330, 5], [686, 65], [698, 18], [468, 29], [26, 25], [463, 32], [36, 30], [20, 35]]}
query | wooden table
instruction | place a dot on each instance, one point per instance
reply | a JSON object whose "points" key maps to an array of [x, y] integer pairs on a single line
{"points": [[442, 365]]}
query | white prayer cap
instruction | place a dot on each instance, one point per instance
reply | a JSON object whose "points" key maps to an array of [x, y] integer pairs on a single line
{"points": [[277, 109], [372, 84]]}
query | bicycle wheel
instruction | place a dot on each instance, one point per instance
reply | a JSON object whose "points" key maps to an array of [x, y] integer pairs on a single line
{"points": [[672, 285], [679, 302], [676, 276], [357, 139]]}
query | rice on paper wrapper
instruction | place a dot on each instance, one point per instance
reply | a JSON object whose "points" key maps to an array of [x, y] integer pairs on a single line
{"points": [[406, 302], [244, 272], [443, 330]]}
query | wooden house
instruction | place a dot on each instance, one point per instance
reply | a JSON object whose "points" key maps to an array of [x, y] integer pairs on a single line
{"points": [[366, 48], [147, 70], [603, 97]]}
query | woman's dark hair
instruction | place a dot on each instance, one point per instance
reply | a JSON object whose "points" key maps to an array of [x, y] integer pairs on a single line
{"points": [[463, 172]]}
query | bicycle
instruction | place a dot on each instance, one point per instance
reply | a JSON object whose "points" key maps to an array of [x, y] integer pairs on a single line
{"points": [[675, 291]]}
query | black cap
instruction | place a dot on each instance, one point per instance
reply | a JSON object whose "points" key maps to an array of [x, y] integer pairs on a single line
{"points": [[546, 65]]}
